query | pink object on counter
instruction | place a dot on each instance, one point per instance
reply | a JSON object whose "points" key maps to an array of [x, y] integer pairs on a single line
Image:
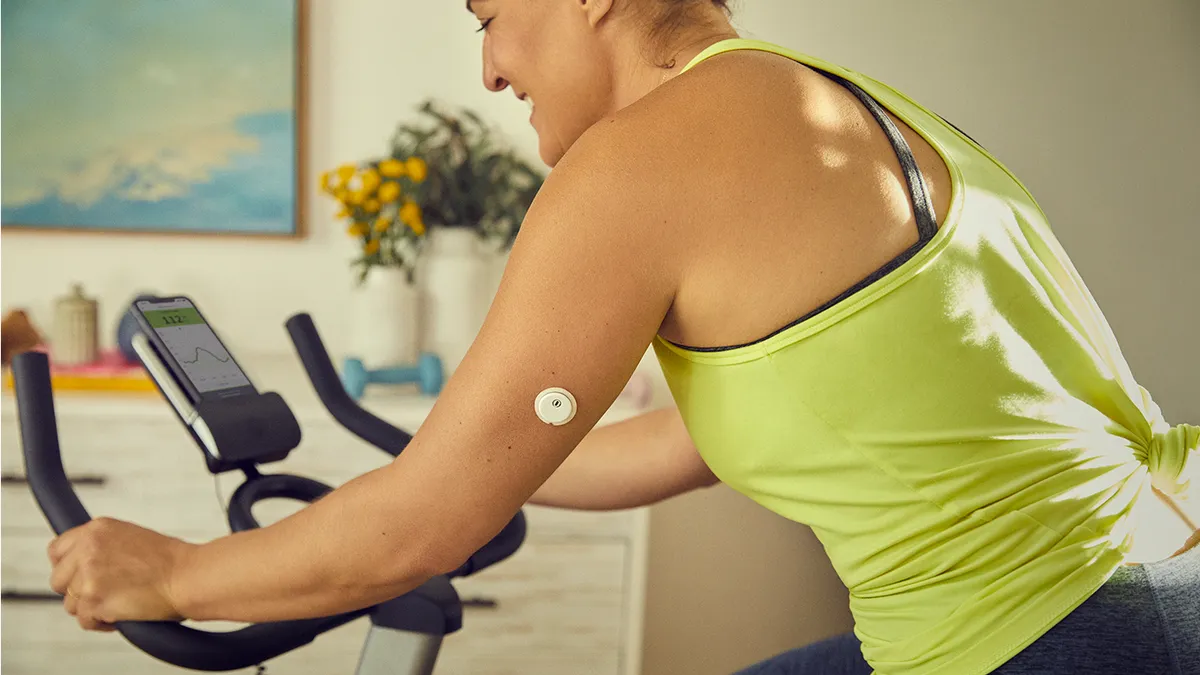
{"points": [[111, 363]]}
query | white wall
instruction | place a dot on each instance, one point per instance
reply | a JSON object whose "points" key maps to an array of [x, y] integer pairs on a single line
{"points": [[370, 63], [1092, 102]]}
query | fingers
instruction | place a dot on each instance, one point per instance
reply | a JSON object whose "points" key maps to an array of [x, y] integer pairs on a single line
{"points": [[62, 545], [66, 551], [88, 622], [63, 573], [87, 613], [86, 610], [70, 603]]}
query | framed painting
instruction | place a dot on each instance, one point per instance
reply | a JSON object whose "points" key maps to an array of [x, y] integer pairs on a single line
{"points": [[153, 116]]}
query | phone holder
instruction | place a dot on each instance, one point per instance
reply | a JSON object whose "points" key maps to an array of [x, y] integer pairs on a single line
{"points": [[246, 429]]}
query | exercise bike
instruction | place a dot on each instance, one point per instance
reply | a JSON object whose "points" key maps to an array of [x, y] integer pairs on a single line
{"points": [[406, 632]]}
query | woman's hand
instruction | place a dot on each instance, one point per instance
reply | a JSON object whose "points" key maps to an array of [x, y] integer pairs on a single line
{"points": [[109, 570]]}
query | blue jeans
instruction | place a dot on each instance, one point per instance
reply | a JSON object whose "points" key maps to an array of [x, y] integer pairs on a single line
{"points": [[1144, 620]]}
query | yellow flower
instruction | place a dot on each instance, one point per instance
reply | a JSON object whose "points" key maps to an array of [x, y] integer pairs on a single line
{"points": [[388, 192], [370, 180], [410, 214], [325, 181], [371, 206], [392, 168], [343, 213], [417, 169], [382, 223], [345, 172], [357, 230], [371, 247], [342, 195], [355, 197]]}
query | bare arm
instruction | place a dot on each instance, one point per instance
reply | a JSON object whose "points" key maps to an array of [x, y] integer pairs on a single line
{"points": [[633, 463], [588, 284]]}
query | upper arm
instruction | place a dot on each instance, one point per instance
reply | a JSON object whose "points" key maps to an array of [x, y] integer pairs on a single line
{"points": [[589, 280]]}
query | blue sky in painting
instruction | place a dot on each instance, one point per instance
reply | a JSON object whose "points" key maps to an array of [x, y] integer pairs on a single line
{"points": [[148, 114]]}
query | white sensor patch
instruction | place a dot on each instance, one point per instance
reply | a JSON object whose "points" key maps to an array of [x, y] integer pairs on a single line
{"points": [[555, 406]]}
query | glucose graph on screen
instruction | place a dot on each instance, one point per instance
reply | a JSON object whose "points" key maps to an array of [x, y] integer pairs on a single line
{"points": [[202, 357]]}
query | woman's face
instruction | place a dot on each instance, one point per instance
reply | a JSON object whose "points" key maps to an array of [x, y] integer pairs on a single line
{"points": [[551, 54]]}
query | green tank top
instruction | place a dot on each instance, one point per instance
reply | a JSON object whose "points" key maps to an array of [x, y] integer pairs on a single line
{"points": [[961, 432]]}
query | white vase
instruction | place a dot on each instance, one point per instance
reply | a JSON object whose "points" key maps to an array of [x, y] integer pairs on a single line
{"points": [[386, 328], [454, 280]]}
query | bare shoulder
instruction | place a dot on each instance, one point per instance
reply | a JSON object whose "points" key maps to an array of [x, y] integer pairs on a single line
{"points": [[618, 185], [652, 171], [703, 126], [729, 96]]}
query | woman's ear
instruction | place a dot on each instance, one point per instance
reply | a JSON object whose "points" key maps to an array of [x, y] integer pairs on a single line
{"points": [[595, 10]]}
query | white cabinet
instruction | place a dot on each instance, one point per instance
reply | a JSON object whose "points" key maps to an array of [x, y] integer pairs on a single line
{"points": [[569, 601]]}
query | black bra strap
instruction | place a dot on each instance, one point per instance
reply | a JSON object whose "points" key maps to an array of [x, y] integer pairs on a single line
{"points": [[918, 190]]}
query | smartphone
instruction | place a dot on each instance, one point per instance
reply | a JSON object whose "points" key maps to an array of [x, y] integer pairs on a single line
{"points": [[189, 347]]}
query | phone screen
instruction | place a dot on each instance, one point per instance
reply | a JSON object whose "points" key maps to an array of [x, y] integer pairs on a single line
{"points": [[193, 345]]}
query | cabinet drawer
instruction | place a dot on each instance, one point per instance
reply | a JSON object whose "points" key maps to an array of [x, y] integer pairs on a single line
{"points": [[559, 609], [182, 506], [92, 442]]}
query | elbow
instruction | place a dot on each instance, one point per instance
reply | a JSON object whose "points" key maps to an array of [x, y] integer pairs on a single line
{"points": [[440, 556], [469, 555], [437, 556]]}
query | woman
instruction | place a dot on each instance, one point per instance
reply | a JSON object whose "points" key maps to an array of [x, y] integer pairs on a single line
{"points": [[867, 326]]}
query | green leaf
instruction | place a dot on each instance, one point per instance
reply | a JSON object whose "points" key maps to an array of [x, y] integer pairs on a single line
{"points": [[475, 179]]}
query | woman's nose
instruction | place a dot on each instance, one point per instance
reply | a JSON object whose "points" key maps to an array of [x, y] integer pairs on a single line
{"points": [[495, 83], [491, 78]]}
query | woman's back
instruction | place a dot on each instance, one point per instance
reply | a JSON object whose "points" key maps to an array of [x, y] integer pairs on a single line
{"points": [[961, 430], [787, 188]]}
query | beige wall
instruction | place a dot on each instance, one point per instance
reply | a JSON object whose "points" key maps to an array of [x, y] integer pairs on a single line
{"points": [[1093, 103], [730, 583]]}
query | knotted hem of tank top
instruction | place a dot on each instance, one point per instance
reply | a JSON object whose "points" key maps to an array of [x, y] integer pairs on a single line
{"points": [[1166, 457]]}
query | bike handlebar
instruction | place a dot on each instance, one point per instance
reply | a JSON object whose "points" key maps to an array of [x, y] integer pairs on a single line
{"points": [[168, 641], [173, 642], [332, 393]]}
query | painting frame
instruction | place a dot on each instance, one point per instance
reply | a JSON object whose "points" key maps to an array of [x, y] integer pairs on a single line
{"points": [[300, 109]]}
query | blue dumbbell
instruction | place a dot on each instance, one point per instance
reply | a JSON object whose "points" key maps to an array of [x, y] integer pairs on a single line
{"points": [[427, 373]]}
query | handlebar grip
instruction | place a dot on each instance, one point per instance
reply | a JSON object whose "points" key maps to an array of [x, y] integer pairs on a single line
{"points": [[202, 650], [171, 642], [329, 388], [44, 470]]}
